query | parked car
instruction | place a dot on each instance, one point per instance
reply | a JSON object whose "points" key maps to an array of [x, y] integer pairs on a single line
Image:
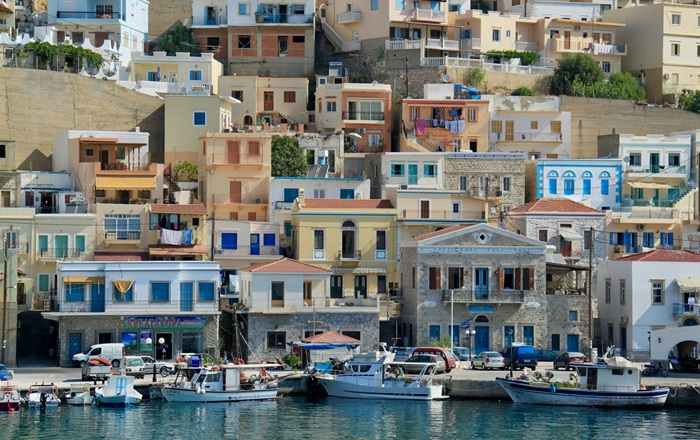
{"points": [[401, 353], [520, 356], [425, 359], [448, 357], [566, 358], [488, 360], [112, 352], [163, 368], [462, 353], [133, 366], [6, 373]]}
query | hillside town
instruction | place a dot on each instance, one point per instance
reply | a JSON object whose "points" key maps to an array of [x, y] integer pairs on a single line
{"points": [[251, 179]]}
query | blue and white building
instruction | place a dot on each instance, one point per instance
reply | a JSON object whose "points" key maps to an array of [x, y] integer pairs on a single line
{"points": [[156, 308], [596, 183]]}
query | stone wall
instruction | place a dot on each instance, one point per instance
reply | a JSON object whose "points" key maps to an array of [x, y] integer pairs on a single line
{"points": [[295, 325], [37, 106], [558, 307], [164, 13]]}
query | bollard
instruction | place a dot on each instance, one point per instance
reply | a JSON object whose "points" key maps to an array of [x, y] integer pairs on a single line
{"points": [[154, 372]]}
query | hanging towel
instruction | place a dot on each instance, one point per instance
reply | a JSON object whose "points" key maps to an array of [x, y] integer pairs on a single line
{"points": [[168, 236], [421, 125], [460, 126], [187, 237]]}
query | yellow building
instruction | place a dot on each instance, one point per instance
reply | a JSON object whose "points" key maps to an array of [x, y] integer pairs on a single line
{"points": [[663, 39], [234, 175], [7, 15], [486, 31], [355, 239], [266, 99], [181, 73]]}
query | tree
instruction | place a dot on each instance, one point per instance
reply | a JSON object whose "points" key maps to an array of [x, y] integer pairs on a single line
{"points": [[619, 86], [577, 67], [177, 39], [522, 91], [474, 77], [690, 102], [287, 158], [185, 172]]}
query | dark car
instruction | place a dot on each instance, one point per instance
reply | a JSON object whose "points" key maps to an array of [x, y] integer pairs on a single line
{"points": [[420, 359], [520, 356], [445, 354], [565, 359]]}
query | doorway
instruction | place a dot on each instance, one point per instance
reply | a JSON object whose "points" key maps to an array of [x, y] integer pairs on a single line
{"points": [[425, 209], [104, 159], [481, 339], [654, 162], [412, 174], [97, 298], [254, 244], [164, 350], [104, 338], [336, 286], [268, 101], [360, 286], [481, 282], [37, 340]]}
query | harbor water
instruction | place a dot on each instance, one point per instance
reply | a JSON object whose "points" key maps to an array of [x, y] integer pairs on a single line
{"points": [[297, 418]]}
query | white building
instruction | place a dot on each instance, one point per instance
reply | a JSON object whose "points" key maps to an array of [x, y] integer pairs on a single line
{"points": [[583, 11], [182, 73], [644, 292], [326, 151], [413, 170], [50, 193], [593, 182], [158, 308]]}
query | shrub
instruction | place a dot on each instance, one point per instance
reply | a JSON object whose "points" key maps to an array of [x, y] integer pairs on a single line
{"points": [[185, 172], [579, 67], [522, 91], [474, 77], [287, 157], [292, 360]]}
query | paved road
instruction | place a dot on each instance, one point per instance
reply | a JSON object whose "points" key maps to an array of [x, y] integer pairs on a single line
{"points": [[62, 377]]}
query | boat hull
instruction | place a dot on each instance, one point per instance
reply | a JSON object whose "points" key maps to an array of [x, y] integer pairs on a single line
{"points": [[523, 392], [117, 401], [185, 395], [338, 388], [7, 406]]}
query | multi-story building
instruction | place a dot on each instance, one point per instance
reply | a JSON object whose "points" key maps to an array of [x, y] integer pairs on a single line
{"points": [[589, 10], [181, 73], [123, 22], [271, 37], [593, 182], [485, 31], [234, 177], [7, 16], [662, 37], [238, 244], [288, 301], [494, 278], [268, 100], [363, 111], [534, 124], [643, 292], [156, 308], [187, 118], [325, 153]]}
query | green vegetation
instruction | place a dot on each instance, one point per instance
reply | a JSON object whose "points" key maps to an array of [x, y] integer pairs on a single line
{"points": [[185, 172], [526, 58], [522, 91], [48, 54], [177, 39], [443, 342], [474, 77], [292, 360], [690, 101], [288, 158], [580, 75]]}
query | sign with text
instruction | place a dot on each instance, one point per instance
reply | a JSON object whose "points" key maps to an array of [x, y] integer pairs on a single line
{"points": [[172, 323]]}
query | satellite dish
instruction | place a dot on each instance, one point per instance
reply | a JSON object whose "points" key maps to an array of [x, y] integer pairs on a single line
{"points": [[355, 136]]}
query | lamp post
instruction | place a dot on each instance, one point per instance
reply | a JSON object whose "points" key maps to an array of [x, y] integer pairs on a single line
{"points": [[452, 319], [469, 332]]}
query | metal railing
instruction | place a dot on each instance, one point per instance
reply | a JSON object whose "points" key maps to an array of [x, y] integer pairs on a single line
{"points": [[283, 206], [483, 295], [469, 63], [423, 14], [349, 17], [680, 309], [283, 18], [402, 44], [357, 255], [61, 253], [210, 21], [123, 235], [658, 170], [442, 44], [355, 115], [88, 15], [439, 214]]}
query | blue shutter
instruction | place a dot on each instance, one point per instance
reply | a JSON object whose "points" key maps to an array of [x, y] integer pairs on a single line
{"points": [[648, 239], [613, 236], [552, 186], [229, 240], [605, 187], [669, 239], [268, 239], [586, 186], [347, 193], [206, 291], [290, 194]]}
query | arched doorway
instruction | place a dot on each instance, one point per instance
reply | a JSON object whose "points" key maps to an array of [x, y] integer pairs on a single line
{"points": [[247, 120], [685, 357], [482, 337], [37, 340]]}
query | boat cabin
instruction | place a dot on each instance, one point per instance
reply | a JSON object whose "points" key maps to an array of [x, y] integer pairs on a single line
{"points": [[228, 377], [619, 376]]}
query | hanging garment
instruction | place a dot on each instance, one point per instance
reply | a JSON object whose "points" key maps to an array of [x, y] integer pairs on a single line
{"points": [[460, 126], [168, 236], [421, 125], [187, 237]]}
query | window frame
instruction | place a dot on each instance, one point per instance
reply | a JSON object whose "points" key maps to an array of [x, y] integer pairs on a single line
{"points": [[661, 293], [151, 296]]}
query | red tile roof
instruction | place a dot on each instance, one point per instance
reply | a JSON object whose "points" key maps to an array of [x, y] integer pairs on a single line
{"points": [[441, 232], [348, 203], [331, 338], [173, 208], [286, 265], [550, 205], [664, 255]]}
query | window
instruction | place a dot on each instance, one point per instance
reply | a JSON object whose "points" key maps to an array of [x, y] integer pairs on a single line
{"points": [[213, 44], [43, 244], [268, 239], [282, 45], [243, 8], [277, 340], [413, 277], [635, 159], [587, 239], [244, 41], [433, 278], [534, 125], [455, 207], [374, 5], [434, 332], [648, 239], [122, 227], [277, 293], [237, 94], [472, 114], [674, 159], [505, 184], [676, 49], [75, 292], [529, 335], [331, 106], [319, 194], [509, 278], [206, 291], [697, 50], [123, 297], [396, 169], [253, 148], [462, 183], [318, 244], [229, 240], [543, 235], [290, 97], [374, 139], [496, 34], [675, 19], [573, 315], [199, 119], [381, 245], [623, 300], [160, 291], [381, 283], [657, 292], [604, 187], [608, 290], [429, 169], [455, 277], [569, 183], [552, 185], [298, 39], [347, 193], [195, 75], [605, 66], [400, 4], [44, 282], [666, 239]]}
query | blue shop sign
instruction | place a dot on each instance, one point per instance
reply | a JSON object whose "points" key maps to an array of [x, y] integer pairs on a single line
{"points": [[172, 323], [481, 308]]}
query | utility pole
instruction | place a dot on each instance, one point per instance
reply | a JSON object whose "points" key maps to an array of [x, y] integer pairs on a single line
{"points": [[213, 224], [405, 68], [591, 241]]}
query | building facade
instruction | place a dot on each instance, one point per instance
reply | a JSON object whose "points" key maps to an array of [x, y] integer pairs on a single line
{"points": [[596, 183], [182, 73]]}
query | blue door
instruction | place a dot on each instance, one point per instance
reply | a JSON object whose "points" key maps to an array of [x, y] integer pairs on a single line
{"points": [[254, 244], [481, 282], [347, 193], [572, 343], [75, 344], [529, 335], [481, 339], [186, 297], [508, 335], [291, 194], [97, 298], [412, 174]]}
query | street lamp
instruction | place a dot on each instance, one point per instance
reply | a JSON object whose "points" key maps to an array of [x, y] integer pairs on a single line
{"points": [[469, 332]]}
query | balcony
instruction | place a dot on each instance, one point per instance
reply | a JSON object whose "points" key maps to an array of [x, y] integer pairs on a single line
{"points": [[686, 310], [484, 296], [490, 192], [55, 254], [272, 18], [194, 88], [354, 115], [471, 44], [662, 171], [348, 259], [389, 309], [283, 206], [588, 46], [88, 15], [41, 302], [441, 44], [526, 136], [422, 14], [402, 44], [349, 17], [439, 214], [123, 236], [349, 302]]}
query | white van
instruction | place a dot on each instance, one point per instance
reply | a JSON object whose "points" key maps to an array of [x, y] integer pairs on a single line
{"points": [[112, 352]]}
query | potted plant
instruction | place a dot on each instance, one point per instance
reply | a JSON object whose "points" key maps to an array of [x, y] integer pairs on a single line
{"points": [[185, 174]]}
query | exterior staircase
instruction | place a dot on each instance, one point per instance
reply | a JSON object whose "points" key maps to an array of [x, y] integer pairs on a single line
{"points": [[336, 40], [685, 206]]}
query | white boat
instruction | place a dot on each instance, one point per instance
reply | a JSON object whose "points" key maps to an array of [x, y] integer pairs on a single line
{"points": [[118, 391], [79, 395], [227, 383], [9, 397], [613, 381], [367, 378], [43, 396]]}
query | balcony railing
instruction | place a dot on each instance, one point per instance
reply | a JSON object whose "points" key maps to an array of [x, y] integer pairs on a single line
{"points": [[61, 253], [439, 214], [88, 15], [680, 309], [123, 235], [350, 256], [441, 44], [469, 44], [283, 206], [658, 170], [283, 18], [527, 136], [87, 305], [350, 302], [648, 203], [349, 17], [221, 19], [423, 14], [402, 44], [588, 46], [484, 295], [363, 116]]}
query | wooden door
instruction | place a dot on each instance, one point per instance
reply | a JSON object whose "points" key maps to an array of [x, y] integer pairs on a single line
{"points": [[509, 130], [425, 209], [234, 191], [234, 152], [567, 39], [268, 101]]}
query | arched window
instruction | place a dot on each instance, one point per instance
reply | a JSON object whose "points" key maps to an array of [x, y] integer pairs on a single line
{"points": [[569, 183], [482, 319], [605, 183], [553, 176], [587, 176], [247, 120], [348, 234]]}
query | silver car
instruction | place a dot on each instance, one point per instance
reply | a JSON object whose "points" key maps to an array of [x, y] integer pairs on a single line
{"points": [[423, 359], [162, 368], [489, 360]]}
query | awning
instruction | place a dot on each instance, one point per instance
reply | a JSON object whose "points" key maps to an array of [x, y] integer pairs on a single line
{"points": [[123, 286], [125, 183], [569, 235], [689, 284], [649, 185]]}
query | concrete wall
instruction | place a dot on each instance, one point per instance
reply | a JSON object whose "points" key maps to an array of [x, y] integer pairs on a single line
{"points": [[162, 14], [35, 106]]}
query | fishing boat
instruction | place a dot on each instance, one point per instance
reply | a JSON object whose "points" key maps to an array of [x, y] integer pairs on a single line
{"points": [[10, 399], [43, 396], [226, 383], [118, 391], [365, 377], [79, 395], [613, 381]]}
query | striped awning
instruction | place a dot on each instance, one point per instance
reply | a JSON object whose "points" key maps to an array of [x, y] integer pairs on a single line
{"points": [[125, 182], [82, 279]]}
